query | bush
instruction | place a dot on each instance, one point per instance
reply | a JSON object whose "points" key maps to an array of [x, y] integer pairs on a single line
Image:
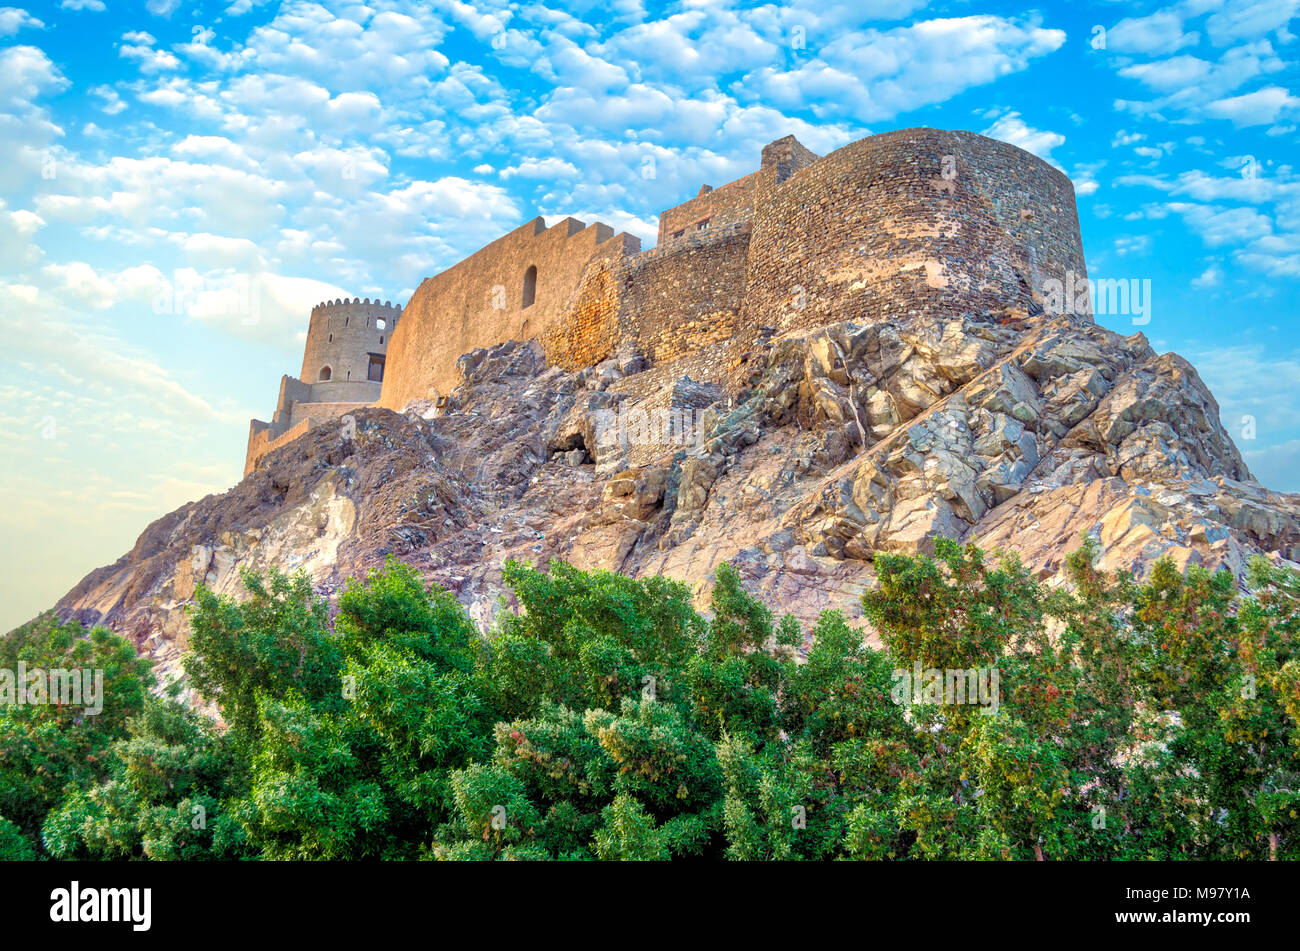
{"points": [[605, 718]]}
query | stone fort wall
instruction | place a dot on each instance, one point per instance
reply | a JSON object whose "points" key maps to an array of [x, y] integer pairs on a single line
{"points": [[514, 288], [914, 222], [911, 223]]}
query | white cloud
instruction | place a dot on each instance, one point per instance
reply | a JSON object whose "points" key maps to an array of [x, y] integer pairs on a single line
{"points": [[139, 46], [1164, 75], [1010, 127], [1218, 226], [1157, 34], [113, 103], [25, 73], [1212, 276], [875, 75], [1256, 108], [695, 45], [548, 168], [1239, 19], [13, 19], [355, 49]]}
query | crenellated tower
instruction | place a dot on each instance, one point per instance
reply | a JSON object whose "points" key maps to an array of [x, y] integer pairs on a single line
{"points": [[342, 370], [347, 340]]}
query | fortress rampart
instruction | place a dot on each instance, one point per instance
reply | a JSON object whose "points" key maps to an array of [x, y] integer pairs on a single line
{"points": [[920, 221], [913, 223], [514, 288]]}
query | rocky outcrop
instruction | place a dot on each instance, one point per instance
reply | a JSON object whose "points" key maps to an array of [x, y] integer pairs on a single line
{"points": [[798, 460]]}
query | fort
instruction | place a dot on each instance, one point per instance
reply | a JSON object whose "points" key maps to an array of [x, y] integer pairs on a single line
{"points": [[913, 223], [342, 369]]}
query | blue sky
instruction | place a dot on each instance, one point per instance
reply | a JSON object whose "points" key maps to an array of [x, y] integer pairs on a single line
{"points": [[160, 157]]}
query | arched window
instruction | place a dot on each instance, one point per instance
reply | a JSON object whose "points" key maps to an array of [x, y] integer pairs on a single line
{"points": [[530, 287], [325, 373]]}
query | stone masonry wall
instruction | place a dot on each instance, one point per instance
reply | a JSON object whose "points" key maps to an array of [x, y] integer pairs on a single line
{"points": [[721, 207], [663, 303], [733, 204], [686, 294], [480, 301], [912, 222], [589, 331]]}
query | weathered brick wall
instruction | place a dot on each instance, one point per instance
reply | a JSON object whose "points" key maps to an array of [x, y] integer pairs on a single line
{"points": [[687, 294], [480, 302], [722, 207], [912, 222], [588, 332]]}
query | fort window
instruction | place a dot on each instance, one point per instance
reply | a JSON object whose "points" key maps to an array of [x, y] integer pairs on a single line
{"points": [[325, 373], [381, 324], [381, 339], [678, 234], [530, 287], [701, 225], [375, 372], [331, 338]]}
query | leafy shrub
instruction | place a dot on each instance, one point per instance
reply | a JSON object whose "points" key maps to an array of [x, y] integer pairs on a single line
{"points": [[605, 718]]}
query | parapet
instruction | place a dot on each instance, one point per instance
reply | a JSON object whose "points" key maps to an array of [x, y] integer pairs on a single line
{"points": [[356, 305]]}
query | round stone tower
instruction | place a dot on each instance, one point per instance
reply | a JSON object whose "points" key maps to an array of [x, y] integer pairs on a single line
{"points": [[347, 341], [912, 223]]}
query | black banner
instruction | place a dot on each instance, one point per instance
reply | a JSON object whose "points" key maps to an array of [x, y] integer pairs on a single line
{"points": [[143, 901]]}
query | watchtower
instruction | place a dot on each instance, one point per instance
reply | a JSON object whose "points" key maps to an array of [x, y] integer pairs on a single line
{"points": [[347, 341], [342, 370]]}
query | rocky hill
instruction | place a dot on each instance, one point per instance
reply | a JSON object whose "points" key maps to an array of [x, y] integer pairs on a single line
{"points": [[806, 454]]}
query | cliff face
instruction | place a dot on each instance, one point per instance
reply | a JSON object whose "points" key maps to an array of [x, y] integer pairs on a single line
{"points": [[802, 457]]}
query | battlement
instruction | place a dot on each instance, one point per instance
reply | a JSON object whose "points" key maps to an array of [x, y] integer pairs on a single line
{"points": [[352, 305]]}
